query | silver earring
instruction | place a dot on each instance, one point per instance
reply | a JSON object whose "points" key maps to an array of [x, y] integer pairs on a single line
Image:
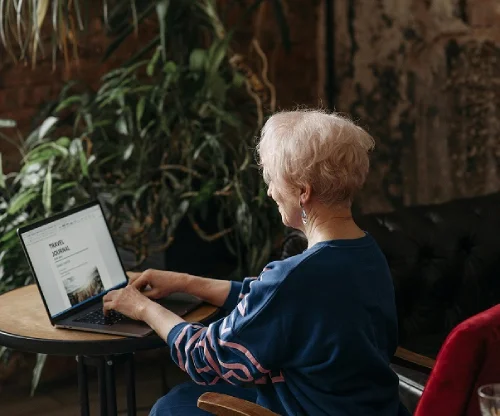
{"points": [[303, 215]]}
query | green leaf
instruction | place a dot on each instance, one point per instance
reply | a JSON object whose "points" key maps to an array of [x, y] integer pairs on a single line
{"points": [[65, 186], [45, 151], [2, 175], [82, 157], [134, 15], [115, 73], [145, 130], [228, 118], [37, 135], [152, 44], [7, 123], [126, 32], [216, 53], [217, 88], [78, 15], [200, 148], [140, 192], [21, 200], [46, 126], [205, 193], [238, 79], [121, 126], [150, 69], [37, 157], [161, 11], [67, 88], [7, 236], [178, 215], [140, 110], [63, 141], [67, 102], [47, 190], [170, 67], [128, 151], [197, 59], [37, 371], [74, 147]]}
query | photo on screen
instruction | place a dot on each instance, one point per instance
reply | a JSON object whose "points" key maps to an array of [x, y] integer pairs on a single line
{"points": [[83, 285]]}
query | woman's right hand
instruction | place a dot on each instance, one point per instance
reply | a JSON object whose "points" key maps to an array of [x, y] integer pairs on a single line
{"points": [[161, 283]]}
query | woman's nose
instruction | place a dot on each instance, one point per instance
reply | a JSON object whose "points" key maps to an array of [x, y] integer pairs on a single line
{"points": [[269, 193]]}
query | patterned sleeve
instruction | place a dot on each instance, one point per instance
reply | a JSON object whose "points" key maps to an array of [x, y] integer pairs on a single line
{"points": [[236, 293], [240, 348]]}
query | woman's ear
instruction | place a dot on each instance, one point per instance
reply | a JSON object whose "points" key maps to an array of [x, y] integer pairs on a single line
{"points": [[305, 195]]}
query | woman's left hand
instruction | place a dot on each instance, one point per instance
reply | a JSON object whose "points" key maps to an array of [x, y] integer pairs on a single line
{"points": [[128, 301]]}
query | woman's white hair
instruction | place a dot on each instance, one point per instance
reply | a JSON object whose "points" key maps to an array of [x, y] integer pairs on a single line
{"points": [[327, 151]]}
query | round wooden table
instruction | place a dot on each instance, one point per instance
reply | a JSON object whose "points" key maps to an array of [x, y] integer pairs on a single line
{"points": [[25, 326]]}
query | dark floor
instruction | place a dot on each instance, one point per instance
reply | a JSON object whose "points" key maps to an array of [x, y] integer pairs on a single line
{"points": [[60, 398]]}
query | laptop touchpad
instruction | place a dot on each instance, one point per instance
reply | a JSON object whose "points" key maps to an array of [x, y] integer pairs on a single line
{"points": [[180, 303]]}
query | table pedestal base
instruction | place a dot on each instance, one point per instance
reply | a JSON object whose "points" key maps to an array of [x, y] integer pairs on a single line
{"points": [[106, 380]]}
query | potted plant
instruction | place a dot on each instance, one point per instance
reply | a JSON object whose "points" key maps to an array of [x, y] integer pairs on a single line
{"points": [[166, 140]]}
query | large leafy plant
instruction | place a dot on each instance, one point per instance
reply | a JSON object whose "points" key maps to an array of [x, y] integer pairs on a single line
{"points": [[175, 140], [163, 139], [168, 137]]}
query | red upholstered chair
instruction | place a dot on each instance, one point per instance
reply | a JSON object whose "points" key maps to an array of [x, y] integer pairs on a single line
{"points": [[468, 359]]}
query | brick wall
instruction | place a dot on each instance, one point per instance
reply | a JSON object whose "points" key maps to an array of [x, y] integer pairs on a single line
{"points": [[24, 90], [297, 75]]}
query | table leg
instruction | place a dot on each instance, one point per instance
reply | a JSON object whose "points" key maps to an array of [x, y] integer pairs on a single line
{"points": [[130, 380], [101, 378], [83, 386], [110, 386], [106, 382]]}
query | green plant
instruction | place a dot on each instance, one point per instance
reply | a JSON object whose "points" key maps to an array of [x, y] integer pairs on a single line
{"points": [[167, 137], [176, 129], [53, 177], [159, 142], [162, 140]]}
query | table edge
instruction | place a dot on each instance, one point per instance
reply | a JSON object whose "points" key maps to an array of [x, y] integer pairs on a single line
{"points": [[112, 346]]}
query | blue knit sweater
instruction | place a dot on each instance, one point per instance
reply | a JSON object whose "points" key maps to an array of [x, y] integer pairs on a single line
{"points": [[314, 333]]}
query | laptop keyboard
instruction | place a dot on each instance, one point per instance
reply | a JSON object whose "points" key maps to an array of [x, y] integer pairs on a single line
{"points": [[97, 317]]}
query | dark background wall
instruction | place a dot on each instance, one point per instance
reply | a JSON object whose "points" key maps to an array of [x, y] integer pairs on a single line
{"points": [[422, 76]]}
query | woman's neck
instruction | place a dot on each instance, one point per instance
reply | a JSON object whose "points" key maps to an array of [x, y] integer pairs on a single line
{"points": [[331, 225]]}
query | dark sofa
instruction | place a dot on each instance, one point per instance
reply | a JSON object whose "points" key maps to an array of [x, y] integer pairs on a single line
{"points": [[445, 263]]}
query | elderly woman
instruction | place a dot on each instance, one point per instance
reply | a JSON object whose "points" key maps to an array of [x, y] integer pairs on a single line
{"points": [[313, 334]]}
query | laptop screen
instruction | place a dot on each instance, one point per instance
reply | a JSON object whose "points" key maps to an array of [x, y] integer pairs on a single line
{"points": [[74, 259]]}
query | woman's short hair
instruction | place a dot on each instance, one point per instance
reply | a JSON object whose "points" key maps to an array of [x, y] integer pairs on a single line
{"points": [[325, 150]]}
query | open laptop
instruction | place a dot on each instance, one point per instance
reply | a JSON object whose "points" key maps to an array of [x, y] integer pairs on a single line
{"points": [[75, 263]]}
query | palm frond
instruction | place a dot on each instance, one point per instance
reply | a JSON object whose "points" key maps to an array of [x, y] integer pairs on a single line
{"points": [[24, 23]]}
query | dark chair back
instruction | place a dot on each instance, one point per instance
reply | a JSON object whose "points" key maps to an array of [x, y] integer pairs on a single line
{"points": [[445, 262]]}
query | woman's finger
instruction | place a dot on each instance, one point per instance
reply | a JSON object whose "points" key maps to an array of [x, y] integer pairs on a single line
{"points": [[133, 276], [151, 294], [106, 307], [140, 282], [108, 296]]}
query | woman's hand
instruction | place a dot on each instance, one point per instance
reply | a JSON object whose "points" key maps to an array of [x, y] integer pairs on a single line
{"points": [[161, 283], [128, 301]]}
